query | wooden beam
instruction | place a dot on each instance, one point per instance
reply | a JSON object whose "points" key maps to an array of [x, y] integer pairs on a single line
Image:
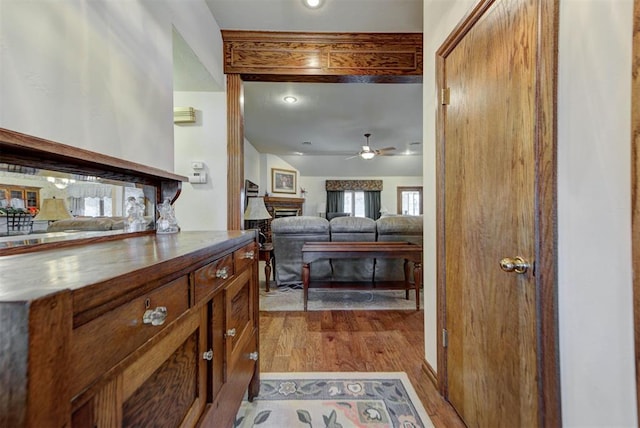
{"points": [[235, 153], [335, 57]]}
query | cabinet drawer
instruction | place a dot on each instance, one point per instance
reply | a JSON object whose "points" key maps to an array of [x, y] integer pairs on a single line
{"points": [[245, 256], [103, 342], [211, 276]]}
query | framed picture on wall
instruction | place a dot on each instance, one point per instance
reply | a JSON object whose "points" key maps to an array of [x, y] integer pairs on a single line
{"points": [[283, 181]]}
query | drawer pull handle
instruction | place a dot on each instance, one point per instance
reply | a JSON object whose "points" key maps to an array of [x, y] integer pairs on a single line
{"points": [[222, 273], [253, 356], [155, 316], [231, 332], [208, 355], [249, 254]]}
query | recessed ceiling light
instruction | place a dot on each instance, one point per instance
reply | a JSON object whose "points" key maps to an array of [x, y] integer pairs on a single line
{"points": [[290, 100], [313, 4]]}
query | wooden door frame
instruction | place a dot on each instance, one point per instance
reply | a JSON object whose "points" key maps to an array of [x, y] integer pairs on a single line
{"points": [[548, 364], [264, 56], [635, 190]]}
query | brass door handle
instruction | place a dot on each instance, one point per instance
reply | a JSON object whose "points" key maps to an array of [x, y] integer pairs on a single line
{"points": [[516, 264]]}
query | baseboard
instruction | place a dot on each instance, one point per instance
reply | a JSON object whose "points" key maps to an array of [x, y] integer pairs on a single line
{"points": [[431, 373]]}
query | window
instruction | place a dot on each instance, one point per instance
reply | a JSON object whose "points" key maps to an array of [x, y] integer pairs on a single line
{"points": [[97, 207], [410, 200], [354, 203]]}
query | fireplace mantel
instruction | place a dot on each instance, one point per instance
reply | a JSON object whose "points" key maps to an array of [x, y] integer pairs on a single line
{"points": [[274, 203], [283, 200]]}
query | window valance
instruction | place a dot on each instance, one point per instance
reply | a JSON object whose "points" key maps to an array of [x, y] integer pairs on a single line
{"points": [[363, 185], [89, 190]]}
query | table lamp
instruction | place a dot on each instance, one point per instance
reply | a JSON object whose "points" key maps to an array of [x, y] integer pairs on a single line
{"points": [[52, 209], [256, 211]]}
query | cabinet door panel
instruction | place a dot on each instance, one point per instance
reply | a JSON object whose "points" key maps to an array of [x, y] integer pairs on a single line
{"points": [[151, 406], [239, 316], [234, 390], [166, 387], [217, 344]]}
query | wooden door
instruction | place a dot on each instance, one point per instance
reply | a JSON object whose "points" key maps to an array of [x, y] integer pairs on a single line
{"points": [[493, 136]]}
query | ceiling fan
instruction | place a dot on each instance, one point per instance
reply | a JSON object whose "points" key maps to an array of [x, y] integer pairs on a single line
{"points": [[368, 153]]}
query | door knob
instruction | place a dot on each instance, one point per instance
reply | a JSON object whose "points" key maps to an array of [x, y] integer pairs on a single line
{"points": [[516, 264]]}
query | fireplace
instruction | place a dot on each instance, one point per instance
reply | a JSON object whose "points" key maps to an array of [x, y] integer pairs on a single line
{"points": [[281, 207], [285, 212]]}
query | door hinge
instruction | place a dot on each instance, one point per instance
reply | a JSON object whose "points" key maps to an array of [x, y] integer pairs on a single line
{"points": [[444, 96], [445, 338]]}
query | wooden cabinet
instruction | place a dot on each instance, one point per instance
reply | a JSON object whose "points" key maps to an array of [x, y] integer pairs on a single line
{"points": [[29, 197], [151, 331]]}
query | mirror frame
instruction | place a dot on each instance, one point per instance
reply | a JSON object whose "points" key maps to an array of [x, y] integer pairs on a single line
{"points": [[33, 152]]}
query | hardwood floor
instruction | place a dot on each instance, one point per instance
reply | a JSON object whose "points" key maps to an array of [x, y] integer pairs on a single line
{"points": [[352, 341]]}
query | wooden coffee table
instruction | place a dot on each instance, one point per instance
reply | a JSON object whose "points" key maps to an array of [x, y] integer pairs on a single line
{"points": [[312, 251]]}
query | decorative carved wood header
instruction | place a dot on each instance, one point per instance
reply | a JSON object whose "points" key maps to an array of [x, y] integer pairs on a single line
{"points": [[338, 57]]}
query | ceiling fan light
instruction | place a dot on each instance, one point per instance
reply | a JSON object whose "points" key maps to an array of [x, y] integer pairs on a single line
{"points": [[367, 155]]}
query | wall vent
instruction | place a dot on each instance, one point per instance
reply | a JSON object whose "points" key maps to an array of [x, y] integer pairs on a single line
{"points": [[184, 115]]}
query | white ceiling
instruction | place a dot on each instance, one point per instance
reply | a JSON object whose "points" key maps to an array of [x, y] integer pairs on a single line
{"points": [[332, 117]]}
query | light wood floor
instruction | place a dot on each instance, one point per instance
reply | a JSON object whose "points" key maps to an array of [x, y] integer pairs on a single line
{"points": [[352, 341]]}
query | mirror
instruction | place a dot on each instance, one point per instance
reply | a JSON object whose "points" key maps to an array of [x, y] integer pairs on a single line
{"points": [[35, 201], [54, 194]]}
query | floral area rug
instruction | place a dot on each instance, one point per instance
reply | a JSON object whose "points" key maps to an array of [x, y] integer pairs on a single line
{"points": [[334, 400], [289, 298]]}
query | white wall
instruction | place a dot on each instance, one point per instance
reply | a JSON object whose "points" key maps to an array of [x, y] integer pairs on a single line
{"points": [[201, 32], [91, 74], [202, 206], [252, 165], [594, 213], [594, 250]]}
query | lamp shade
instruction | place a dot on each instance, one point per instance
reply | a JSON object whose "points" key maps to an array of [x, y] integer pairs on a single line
{"points": [[52, 209], [322, 207], [256, 210]]}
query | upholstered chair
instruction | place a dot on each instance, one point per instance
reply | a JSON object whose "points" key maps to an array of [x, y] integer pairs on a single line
{"points": [[400, 228], [352, 229], [288, 235]]}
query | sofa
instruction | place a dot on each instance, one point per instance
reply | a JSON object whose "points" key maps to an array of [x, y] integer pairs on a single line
{"points": [[87, 224], [290, 233]]}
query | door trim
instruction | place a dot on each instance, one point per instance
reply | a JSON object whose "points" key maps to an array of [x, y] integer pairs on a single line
{"points": [[327, 58], [635, 191], [549, 397]]}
